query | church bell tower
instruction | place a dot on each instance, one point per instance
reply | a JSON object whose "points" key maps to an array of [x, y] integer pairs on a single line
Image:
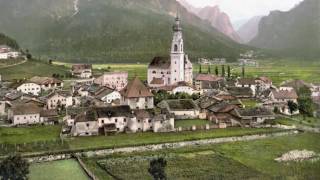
{"points": [[177, 54]]}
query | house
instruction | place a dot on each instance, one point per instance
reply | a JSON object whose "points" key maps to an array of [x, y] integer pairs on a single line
{"points": [[255, 116], [85, 125], [24, 114], [296, 84], [180, 87], [205, 82], [49, 116], [58, 99], [113, 80], [7, 52], [263, 83], [221, 113], [47, 83], [81, 70], [30, 88], [280, 97], [247, 83], [164, 71], [315, 90], [181, 108], [137, 95], [107, 95]]}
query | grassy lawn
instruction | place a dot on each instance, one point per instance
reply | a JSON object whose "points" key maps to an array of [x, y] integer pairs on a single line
{"points": [[123, 140], [31, 68], [239, 160], [280, 70], [249, 103], [29, 134], [190, 122], [299, 120], [5, 62], [57, 170]]}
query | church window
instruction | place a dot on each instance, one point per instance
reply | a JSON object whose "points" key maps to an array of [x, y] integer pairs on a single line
{"points": [[175, 48], [154, 72]]}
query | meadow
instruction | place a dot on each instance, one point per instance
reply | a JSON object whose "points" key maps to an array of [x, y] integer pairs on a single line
{"points": [[239, 160], [58, 170]]}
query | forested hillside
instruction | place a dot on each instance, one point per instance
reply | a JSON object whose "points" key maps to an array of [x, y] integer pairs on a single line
{"points": [[5, 40], [108, 30], [293, 33]]}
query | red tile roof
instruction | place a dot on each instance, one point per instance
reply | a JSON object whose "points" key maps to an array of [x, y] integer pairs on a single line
{"points": [[208, 77], [136, 89]]}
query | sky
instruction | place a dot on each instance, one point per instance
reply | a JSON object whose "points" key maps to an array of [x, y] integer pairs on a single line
{"points": [[245, 9]]}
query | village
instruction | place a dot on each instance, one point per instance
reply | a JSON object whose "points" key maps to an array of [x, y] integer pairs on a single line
{"points": [[111, 103]]}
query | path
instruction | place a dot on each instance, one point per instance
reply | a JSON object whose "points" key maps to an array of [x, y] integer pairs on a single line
{"points": [[22, 62]]}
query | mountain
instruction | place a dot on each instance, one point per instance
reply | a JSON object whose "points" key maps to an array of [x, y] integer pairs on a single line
{"points": [[5, 40], [293, 33], [250, 29], [109, 30], [215, 17]]}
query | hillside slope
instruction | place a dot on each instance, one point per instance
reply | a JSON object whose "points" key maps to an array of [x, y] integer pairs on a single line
{"points": [[108, 30], [5, 40], [292, 33]]}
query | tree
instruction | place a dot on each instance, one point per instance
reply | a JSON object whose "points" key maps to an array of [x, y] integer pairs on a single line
{"points": [[292, 106], [223, 73], [209, 69], [200, 69], [305, 103], [157, 169], [229, 72], [243, 71], [14, 168], [217, 70]]}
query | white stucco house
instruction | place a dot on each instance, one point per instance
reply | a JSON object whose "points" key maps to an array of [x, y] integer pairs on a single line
{"points": [[24, 114], [47, 83], [59, 98], [30, 88], [113, 80], [81, 70]]}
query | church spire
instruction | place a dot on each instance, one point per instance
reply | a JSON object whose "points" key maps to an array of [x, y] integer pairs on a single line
{"points": [[176, 26]]}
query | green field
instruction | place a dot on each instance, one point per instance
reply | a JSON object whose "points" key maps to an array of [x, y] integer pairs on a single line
{"points": [[31, 68], [29, 134], [124, 140], [191, 122], [9, 62], [57, 170], [239, 160], [250, 103], [299, 120]]}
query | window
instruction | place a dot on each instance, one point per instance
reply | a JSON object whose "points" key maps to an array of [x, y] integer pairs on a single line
{"points": [[88, 124], [175, 48], [138, 120], [149, 121], [118, 129], [124, 120], [102, 121], [116, 120], [154, 72]]}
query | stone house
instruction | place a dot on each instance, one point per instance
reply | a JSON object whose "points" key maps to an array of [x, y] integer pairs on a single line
{"points": [[181, 108], [24, 114], [255, 116], [205, 82], [113, 80], [30, 88], [81, 70], [47, 83], [247, 83], [85, 125], [263, 83], [137, 95], [59, 98], [280, 97]]}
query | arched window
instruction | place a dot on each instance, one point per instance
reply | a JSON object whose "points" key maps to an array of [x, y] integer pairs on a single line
{"points": [[175, 48], [181, 47], [154, 72]]}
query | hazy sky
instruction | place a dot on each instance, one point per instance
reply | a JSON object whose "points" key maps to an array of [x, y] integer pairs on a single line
{"points": [[244, 9]]}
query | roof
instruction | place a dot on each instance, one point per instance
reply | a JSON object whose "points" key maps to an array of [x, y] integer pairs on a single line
{"points": [[254, 112], [113, 111], [135, 89], [208, 77], [61, 93], [284, 94], [25, 108], [179, 104], [49, 113], [206, 101], [222, 107], [157, 81], [143, 114], [240, 91], [103, 91], [246, 81], [265, 79], [44, 80], [78, 68], [160, 63]]}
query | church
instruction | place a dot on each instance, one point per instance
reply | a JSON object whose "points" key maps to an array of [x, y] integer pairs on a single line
{"points": [[167, 71]]}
